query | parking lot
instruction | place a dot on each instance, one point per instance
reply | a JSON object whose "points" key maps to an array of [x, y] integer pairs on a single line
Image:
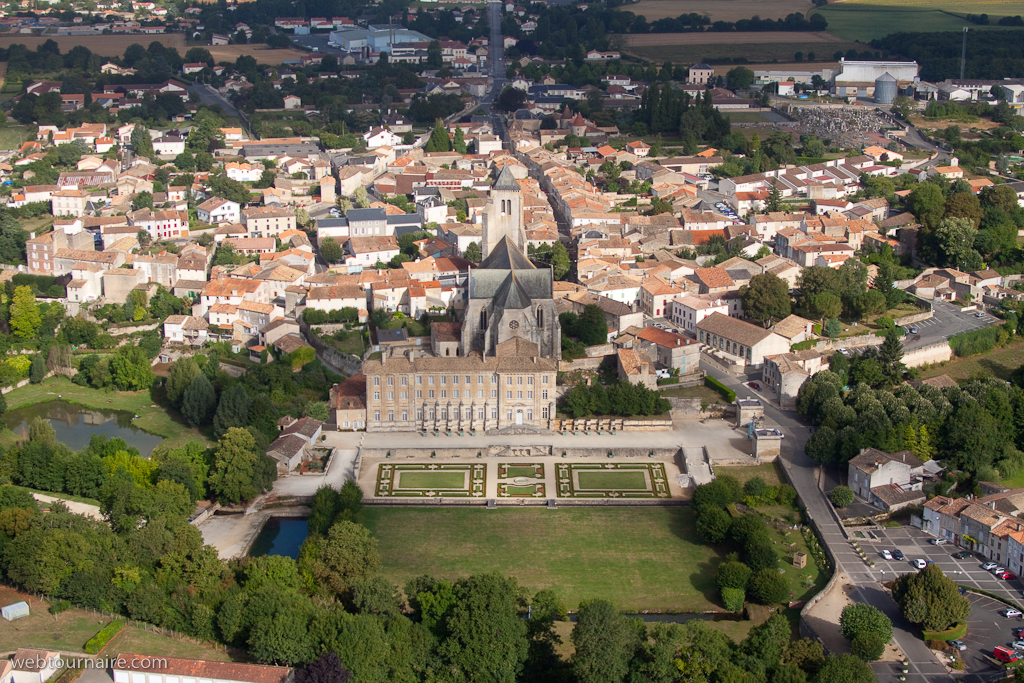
{"points": [[986, 627], [946, 321]]}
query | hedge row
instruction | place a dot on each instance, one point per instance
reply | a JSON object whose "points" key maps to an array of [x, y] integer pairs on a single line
{"points": [[954, 633], [982, 591], [100, 640], [728, 394]]}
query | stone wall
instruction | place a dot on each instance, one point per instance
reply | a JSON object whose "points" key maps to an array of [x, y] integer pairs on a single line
{"points": [[690, 409], [860, 341], [927, 355], [913, 318], [580, 364], [514, 451], [119, 331]]}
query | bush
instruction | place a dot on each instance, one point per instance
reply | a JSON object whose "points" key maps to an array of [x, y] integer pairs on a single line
{"points": [[733, 575], [867, 647], [975, 342], [841, 496], [861, 620], [58, 606], [769, 587], [755, 487], [100, 640], [728, 394], [732, 598]]}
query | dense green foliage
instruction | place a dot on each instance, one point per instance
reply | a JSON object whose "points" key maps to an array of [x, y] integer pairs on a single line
{"points": [[867, 628], [623, 399], [100, 640], [930, 599], [841, 496]]}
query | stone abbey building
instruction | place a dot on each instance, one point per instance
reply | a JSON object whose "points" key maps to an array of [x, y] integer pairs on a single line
{"points": [[495, 368]]}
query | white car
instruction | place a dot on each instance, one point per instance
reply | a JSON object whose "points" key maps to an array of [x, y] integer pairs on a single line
{"points": [[989, 566], [1011, 613], [958, 644], [919, 564], [938, 541], [886, 555], [998, 570]]}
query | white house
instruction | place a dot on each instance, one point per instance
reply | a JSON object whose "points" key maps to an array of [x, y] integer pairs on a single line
{"points": [[336, 297], [136, 668], [887, 480], [243, 172], [33, 666], [217, 210], [170, 145], [687, 311], [381, 137]]}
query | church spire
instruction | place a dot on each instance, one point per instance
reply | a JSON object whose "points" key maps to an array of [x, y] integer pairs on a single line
{"points": [[506, 181]]}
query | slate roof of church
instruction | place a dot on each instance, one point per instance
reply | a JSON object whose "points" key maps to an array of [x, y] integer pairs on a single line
{"points": [[506, 181]]}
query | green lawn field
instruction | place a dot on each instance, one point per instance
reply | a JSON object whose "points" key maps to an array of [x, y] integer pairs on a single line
{"points": [[639, 558], [612, 480], [431, 480], [520, 471], [522, 490], [867, 21]]}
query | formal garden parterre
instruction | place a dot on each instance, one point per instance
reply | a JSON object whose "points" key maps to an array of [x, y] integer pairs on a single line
{"points": [[612, 480], [428, 480]]}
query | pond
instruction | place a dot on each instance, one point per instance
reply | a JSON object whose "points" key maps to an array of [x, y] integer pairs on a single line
{"points": [[76, 424], [280, 536]]}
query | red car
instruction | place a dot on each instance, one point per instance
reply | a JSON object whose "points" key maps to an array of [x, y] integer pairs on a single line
{"points": [[1007, 576]]}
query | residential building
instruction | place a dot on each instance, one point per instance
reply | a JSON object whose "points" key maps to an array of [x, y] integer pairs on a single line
{"points": [[137, 668], [267, 221], [739, 341], [217, 211], [889, 481]]}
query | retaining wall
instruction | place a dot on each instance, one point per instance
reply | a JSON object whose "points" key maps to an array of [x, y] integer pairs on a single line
{"points": [[913, 318], [927, 355]]}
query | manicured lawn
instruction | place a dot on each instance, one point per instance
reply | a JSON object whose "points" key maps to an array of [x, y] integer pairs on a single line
{"points": [[639, 558], [1000, 362], [151, 417], [431, 480], [766, 471], [514, 472], [612, 480], [522, 490], [702, 392]]}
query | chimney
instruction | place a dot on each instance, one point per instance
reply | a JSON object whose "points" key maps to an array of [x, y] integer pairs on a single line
{"points": [[992, 505]]}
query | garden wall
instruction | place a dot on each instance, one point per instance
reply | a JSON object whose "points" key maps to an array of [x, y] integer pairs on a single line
{"points": [[119, 331], [913, 318], [860, 341], [515, 451], [926, 355], [690, 409]]}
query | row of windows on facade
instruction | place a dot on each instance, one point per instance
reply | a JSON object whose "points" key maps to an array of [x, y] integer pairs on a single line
{"points": [[726, 345], [455, 394], [442, 414], [443, 380]]}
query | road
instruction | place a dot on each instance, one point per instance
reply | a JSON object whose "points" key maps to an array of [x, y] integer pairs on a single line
{"points": [[803, 473], [211, 98], [947, 320]]}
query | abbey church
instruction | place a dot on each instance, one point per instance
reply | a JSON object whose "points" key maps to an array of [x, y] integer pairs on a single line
{"points": [[496, 367]]}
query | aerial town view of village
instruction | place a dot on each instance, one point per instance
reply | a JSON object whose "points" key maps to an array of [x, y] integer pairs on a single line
{"points": [[438, 341]]}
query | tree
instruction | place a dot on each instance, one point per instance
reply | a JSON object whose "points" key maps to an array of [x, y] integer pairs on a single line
{"points": [[845, 669], [37, 369], [954, 238], [510, 99], [832, 327], [142, 142], [25, 318], [560, 260], [238, 475], [472, 252], [332, 251], [768, 587], [964, 205], [927, 204], [439, 141], [766, 297], [733, 574], [232, 411], [130, 369], [348, 553], [486, 638], [841, 496], [434, 57], [604, 643], [930, 599], [142, 200], [774, 201], [183, 371], [325, 669], [713, 524], [890, 356], [459, 143], [199, 401], [865, 622], [739, 78], [825, 305]]}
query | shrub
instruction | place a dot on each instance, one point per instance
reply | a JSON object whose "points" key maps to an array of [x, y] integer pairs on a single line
{"points": [[755, 487], [732, 598], [785, 494], [867, 647], [58, 606], [769, 587], [975, 342], [841, 496], [713, 524], [728, 394], [733, 575], [861, 620], [100, 640]]}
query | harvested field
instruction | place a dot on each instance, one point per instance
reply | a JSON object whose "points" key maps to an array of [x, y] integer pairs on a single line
{"points": [[760, 53], [260, 51], [866, 22], [718, 10], [105, 46], [716, 38]]}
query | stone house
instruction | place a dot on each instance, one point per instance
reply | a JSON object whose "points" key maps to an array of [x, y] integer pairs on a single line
{"points": [[887, 480]]}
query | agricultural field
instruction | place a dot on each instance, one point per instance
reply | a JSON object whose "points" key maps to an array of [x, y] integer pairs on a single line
{"points": [[106, 46], [718, 10], [866, 21], [260, 51], [754, 51], [715, 38]]}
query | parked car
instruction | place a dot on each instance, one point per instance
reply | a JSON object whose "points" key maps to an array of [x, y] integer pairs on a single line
{"points": [[754, 385], [898, 554], [886, 555], [958, 644], [1018, 633], [919, 564], [963, 555], [1005, 654], [979, 314], [663, 374], [938, 541], [1006, 576], [1011, 613], [1017, 645], [998, 570], [989, 566], [912, 329]]}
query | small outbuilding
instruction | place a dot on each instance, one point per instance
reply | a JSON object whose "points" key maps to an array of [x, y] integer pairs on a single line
{"points": [[15, 611]]}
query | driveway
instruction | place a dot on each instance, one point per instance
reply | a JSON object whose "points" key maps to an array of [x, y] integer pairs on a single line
{"points": [[947, 320]]}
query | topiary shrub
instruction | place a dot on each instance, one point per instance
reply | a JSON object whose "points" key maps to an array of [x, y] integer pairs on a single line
{"points": [[841, 496], [733, 598]]}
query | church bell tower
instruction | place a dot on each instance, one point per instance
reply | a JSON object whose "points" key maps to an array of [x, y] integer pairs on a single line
{"points": [[504, 214]]}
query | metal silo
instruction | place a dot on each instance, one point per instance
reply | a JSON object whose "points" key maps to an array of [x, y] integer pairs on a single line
{"points": [[885, 89]]}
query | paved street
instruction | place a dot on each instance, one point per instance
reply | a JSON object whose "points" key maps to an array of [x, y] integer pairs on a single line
{"points": [[209, 96], [947, 320]]}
